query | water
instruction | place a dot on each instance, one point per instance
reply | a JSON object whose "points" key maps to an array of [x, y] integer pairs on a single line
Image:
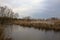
{"points": [[17, 32]]}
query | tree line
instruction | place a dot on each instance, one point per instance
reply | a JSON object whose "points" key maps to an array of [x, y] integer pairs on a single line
{"points": [[7, 12]]}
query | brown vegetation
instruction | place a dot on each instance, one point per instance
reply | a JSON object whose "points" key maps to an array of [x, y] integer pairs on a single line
{"points": [[49, 25], [32, 23]]}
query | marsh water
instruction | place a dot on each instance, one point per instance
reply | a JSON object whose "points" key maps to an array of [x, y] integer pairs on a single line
{"points": [[17, 32]]}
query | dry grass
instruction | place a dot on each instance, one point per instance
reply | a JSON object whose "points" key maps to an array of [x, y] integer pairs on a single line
{"points": [[55, 26]]}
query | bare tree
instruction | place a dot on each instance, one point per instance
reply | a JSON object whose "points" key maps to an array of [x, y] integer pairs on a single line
{"points": [[16, 15], [6, 12]]}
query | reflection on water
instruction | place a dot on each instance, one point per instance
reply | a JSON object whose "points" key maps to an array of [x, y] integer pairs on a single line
{"points": [[17, 32]]}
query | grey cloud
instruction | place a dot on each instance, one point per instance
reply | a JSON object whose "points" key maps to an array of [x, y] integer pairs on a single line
{"points": [[48, 8], [52, 9]]}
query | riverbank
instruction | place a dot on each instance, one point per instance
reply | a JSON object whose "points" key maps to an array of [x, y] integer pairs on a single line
{"points": [[2, 33], [47, 25], [39, 24]]}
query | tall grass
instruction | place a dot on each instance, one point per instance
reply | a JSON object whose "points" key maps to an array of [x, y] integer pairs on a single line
{"points": [[32, 23]]}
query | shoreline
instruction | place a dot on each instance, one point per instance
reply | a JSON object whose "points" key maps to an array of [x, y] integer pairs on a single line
{"points": [[48, 25], [39, 25]]}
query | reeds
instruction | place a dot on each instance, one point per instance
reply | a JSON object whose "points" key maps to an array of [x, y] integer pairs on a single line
{"points": [[32, 23], [55, 26]]}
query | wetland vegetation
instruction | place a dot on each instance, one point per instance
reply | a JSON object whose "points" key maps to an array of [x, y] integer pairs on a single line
{"points": [[7, 16]]}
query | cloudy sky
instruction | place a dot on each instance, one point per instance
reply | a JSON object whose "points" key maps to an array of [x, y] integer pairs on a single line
{"points": [[34, 8]]}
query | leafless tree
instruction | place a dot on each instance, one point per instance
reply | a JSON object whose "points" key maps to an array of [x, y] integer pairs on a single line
{"points": [[6, 12]]}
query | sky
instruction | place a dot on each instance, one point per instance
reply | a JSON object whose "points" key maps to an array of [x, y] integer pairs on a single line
{"points": [[34, 8]]}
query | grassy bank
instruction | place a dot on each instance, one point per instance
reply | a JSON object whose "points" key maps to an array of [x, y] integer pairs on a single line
{"points": [[48, 25], [40, 25]]}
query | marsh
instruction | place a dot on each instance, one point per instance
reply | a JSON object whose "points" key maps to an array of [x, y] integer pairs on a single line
{"points": [[29, 19]]}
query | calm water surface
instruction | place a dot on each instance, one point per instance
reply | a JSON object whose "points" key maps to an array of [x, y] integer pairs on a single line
{"points": [[17, 32]]}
